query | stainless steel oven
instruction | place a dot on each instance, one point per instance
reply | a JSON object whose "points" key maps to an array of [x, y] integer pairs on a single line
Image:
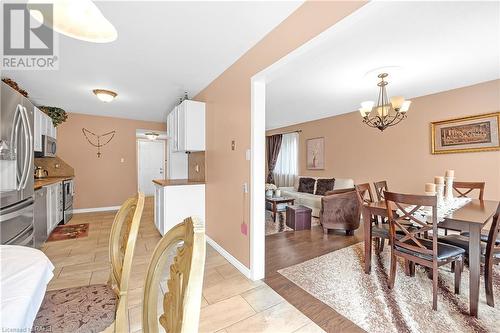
{"points": [[49, 146], [68, 193]]}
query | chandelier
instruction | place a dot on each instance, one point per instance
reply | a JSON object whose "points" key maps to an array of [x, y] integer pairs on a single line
{"points": [[386, 113]]}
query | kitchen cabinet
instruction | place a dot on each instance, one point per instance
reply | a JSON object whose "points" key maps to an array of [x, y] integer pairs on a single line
{"points": [[186, 126], [43, 126], [55, 208]]}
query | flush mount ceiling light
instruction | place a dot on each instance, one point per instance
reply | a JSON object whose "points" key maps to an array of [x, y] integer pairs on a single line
{"points": [[105, 95], [80, 19], [386, 113], [152, 135]]}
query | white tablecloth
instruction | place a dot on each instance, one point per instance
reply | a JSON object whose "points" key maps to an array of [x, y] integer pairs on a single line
{"points": [[24, 275]]}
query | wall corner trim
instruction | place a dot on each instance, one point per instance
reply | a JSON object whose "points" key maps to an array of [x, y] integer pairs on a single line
{"points": [[235, 262], [97, 209]]}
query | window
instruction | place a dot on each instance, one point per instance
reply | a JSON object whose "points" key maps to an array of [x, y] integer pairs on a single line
{"points": [[287, 165]]}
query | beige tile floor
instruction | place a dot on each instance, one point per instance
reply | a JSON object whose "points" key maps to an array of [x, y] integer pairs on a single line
{"points": [[230, 302]]}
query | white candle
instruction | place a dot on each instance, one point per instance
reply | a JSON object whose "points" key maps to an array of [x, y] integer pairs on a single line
{"points": [[430, 187], [450, 173], [439, 180]]}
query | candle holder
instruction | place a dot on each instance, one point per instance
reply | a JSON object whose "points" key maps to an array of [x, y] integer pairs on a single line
{"points": [[430, 193], [440, 194], [448, 198]]}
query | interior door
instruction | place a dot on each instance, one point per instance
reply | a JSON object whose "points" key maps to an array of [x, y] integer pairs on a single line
{"points": [[151, 164]]}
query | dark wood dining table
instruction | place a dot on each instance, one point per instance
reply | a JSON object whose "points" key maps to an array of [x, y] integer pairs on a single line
{"points": [[472, 217]]}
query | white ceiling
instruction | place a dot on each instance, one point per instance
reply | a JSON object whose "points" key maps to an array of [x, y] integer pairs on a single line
{"points": [[163, 49], [437, 46]]}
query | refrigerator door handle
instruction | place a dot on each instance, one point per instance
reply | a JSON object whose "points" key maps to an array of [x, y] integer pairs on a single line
{"points": [[16, 213], [26, 160], [29, 148], [16, 123]]}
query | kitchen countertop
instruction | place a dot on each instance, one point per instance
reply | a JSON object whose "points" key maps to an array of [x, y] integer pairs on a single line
{"points": [[39, 182], [176, 182]]}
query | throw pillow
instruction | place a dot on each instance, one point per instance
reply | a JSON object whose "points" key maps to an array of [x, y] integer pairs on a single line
{"points": [[306, 185], [324, 185]]}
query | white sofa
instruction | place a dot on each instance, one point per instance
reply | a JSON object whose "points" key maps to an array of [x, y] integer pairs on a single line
{"points": [[313, 201]]}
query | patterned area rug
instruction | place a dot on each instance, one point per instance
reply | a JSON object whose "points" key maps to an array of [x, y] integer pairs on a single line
{"points": [[72, 231], [80, 310], [338, 280]]}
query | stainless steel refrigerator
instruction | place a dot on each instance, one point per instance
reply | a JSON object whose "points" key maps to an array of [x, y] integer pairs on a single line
{"points": [[16, 168]]}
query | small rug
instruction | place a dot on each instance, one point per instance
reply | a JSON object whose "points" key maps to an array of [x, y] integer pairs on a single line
{"points": [[338, 280], [72, 231]]}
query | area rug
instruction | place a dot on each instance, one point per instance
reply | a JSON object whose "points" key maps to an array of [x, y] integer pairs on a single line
{"points": [[72, 231], [338, 280]]}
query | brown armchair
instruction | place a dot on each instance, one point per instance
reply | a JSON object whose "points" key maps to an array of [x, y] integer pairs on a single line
{"points": [[340, 209]]}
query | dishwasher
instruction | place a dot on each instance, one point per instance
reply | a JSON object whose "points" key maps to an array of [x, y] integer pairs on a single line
{"points": [[40, 220]]}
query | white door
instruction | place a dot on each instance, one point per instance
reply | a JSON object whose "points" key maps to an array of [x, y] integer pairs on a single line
{"points": [[151, 164]]}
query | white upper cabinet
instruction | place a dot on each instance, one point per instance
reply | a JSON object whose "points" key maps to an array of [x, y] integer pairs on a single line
{"points": [[186, 126], [43, 126]]}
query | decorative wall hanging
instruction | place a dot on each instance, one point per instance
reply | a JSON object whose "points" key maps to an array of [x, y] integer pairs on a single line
{"points": [[99, 139], [57, 115], [466, 134], [316, 154]]}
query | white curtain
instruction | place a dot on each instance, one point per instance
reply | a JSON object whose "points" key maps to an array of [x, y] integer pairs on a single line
{"points": [[287, 165]]}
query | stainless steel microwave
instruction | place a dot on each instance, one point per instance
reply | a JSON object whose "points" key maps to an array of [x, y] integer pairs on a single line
{"points": [[49, 146]]}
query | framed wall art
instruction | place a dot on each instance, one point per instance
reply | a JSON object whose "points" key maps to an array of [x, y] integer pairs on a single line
{"points": [[315, 154], [466, 134]]}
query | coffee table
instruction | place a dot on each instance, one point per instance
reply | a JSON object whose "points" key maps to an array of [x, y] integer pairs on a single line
{"points": [[275, 201]]}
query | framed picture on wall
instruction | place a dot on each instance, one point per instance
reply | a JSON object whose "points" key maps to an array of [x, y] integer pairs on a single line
{"points": [[315, 154], [466, 134]]}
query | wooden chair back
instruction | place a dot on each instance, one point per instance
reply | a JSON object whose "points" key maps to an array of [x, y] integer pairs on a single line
{"points": [[182, 301], [122, 242], [408, 204], [364, 192], [121, 251], [464, 188], [380, 188]]}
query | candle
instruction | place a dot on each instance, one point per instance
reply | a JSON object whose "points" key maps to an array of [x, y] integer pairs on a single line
{"points": [[439, 180], [430, 187], [450, 173]]}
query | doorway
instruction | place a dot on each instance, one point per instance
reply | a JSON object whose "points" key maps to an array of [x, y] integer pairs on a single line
{"points": [[150, 164]]}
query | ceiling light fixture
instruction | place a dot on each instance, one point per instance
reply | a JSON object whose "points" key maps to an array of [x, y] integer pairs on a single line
{"points": [[152, 135], [105, 95], [80, 19], [386, 113]]}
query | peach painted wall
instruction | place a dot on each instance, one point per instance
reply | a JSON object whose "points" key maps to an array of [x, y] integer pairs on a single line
{"points": [[104, 181], [401, 154], [228, 118]]}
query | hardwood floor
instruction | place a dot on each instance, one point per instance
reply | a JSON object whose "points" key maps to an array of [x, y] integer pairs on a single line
{"points": [[289, 248]]}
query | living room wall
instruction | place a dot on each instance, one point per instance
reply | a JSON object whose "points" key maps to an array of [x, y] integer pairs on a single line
{"points": [[228, 107], [401, 154]]}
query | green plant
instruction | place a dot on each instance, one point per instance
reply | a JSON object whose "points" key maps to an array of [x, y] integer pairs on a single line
{"points": [[58, 115]]}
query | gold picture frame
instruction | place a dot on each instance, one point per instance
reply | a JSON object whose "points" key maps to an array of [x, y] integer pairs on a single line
{"points": [[466, 134]]}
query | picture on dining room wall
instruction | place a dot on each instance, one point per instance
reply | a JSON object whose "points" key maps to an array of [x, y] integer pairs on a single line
{"points": [[467, 134], [316, 154]]}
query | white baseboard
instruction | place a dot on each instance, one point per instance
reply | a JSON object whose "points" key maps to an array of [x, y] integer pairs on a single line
{"points": [[97, 209], [235, 262]]}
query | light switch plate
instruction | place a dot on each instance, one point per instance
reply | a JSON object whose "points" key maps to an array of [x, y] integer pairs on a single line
{"points": [[248, 154]]}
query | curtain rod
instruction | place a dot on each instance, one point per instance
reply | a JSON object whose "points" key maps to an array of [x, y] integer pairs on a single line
{"points": [[297, 131]]}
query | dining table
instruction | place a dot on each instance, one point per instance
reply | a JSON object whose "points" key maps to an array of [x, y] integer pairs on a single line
{"points": [[471, 217]]}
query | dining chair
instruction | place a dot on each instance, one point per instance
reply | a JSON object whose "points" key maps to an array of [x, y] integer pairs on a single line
{"points": [[380, 188], [380, 231], [99, 307], [181, 304], [464, 188], [490, 253], [425, 252]]}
